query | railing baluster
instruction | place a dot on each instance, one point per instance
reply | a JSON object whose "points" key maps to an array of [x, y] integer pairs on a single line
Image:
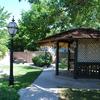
{"points": [[89, 70]]}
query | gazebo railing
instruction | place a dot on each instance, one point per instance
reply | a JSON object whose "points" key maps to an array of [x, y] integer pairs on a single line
{"points": [[88, 70]]}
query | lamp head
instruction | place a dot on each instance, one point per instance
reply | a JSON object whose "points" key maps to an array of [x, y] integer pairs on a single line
{"points": [[12, 27]]}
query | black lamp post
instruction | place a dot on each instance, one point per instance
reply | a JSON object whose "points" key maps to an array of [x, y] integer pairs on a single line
{"points": [[12, 29]]}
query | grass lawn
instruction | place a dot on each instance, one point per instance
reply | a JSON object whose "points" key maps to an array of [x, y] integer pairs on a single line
{"points": [[24, 76], [80, 94]]}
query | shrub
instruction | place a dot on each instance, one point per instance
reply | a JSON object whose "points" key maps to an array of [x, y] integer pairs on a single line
{"points": [[63, 63], [42, 59]]}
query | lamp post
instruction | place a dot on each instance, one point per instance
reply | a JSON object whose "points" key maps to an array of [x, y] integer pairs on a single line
{"points": [[12, 29]]}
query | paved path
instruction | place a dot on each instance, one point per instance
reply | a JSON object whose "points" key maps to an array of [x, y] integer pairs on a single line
{"points": [[49, 80], [5, 60], [37, 92], [47, 85]]}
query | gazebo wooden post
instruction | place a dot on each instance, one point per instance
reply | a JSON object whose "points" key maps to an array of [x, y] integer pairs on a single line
{"points": [[57, 58], [68, 56], [75, 60]]}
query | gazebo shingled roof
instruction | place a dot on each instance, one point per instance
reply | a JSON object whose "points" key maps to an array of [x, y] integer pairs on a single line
{"points": [[73, 33]]}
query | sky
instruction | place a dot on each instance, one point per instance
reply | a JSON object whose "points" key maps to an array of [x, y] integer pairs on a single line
{"points": [[15, 7]]}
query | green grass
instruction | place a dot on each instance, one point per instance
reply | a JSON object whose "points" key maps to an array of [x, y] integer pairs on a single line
{"points": [[81, 94], [23, 75]]}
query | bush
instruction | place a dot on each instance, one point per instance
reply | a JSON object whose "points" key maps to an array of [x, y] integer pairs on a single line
{"points": [[63, 63], [42, 59]]}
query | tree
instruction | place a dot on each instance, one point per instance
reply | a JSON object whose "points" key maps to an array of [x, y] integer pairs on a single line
{"points": [[48, 17], [31, 1], [33, 26], [4, 15], [73, 13]]}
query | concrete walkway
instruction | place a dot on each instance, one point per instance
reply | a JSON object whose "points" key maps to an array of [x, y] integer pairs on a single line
{"points": [[5, 60], [38, 92], [49, 80], [47, 85]]}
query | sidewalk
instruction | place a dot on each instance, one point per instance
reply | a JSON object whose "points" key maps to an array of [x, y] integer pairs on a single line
{"points": [[47, 85], [37, 90], [5, 60]]}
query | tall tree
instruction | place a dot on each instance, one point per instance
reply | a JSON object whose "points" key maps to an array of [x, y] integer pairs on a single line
{"points": [[31, 1], [73, 13], [4, 15], [48, 17]]}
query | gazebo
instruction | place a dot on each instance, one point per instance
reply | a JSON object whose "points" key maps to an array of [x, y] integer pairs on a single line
{"points": [[83, 51]]}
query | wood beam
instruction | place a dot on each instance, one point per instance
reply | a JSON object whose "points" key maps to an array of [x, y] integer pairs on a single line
{"points": [[68, 56], [57, 58], [75, 60]]}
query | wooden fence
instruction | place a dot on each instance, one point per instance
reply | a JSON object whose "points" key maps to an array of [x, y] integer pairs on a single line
{"points": [[27, 56]]}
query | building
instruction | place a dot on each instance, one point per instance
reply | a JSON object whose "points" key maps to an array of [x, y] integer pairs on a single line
{"points": [[83, 51]]}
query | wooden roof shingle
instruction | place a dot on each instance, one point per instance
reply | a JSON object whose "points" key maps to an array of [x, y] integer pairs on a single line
{"points": [[73, 34]]}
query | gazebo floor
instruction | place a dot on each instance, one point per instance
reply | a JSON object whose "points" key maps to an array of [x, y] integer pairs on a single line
{"points": [[70, 74], [65, 79], [66, 73]]}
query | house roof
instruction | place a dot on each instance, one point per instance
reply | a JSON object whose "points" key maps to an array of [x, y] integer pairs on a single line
{"points": [[72, 34]]}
